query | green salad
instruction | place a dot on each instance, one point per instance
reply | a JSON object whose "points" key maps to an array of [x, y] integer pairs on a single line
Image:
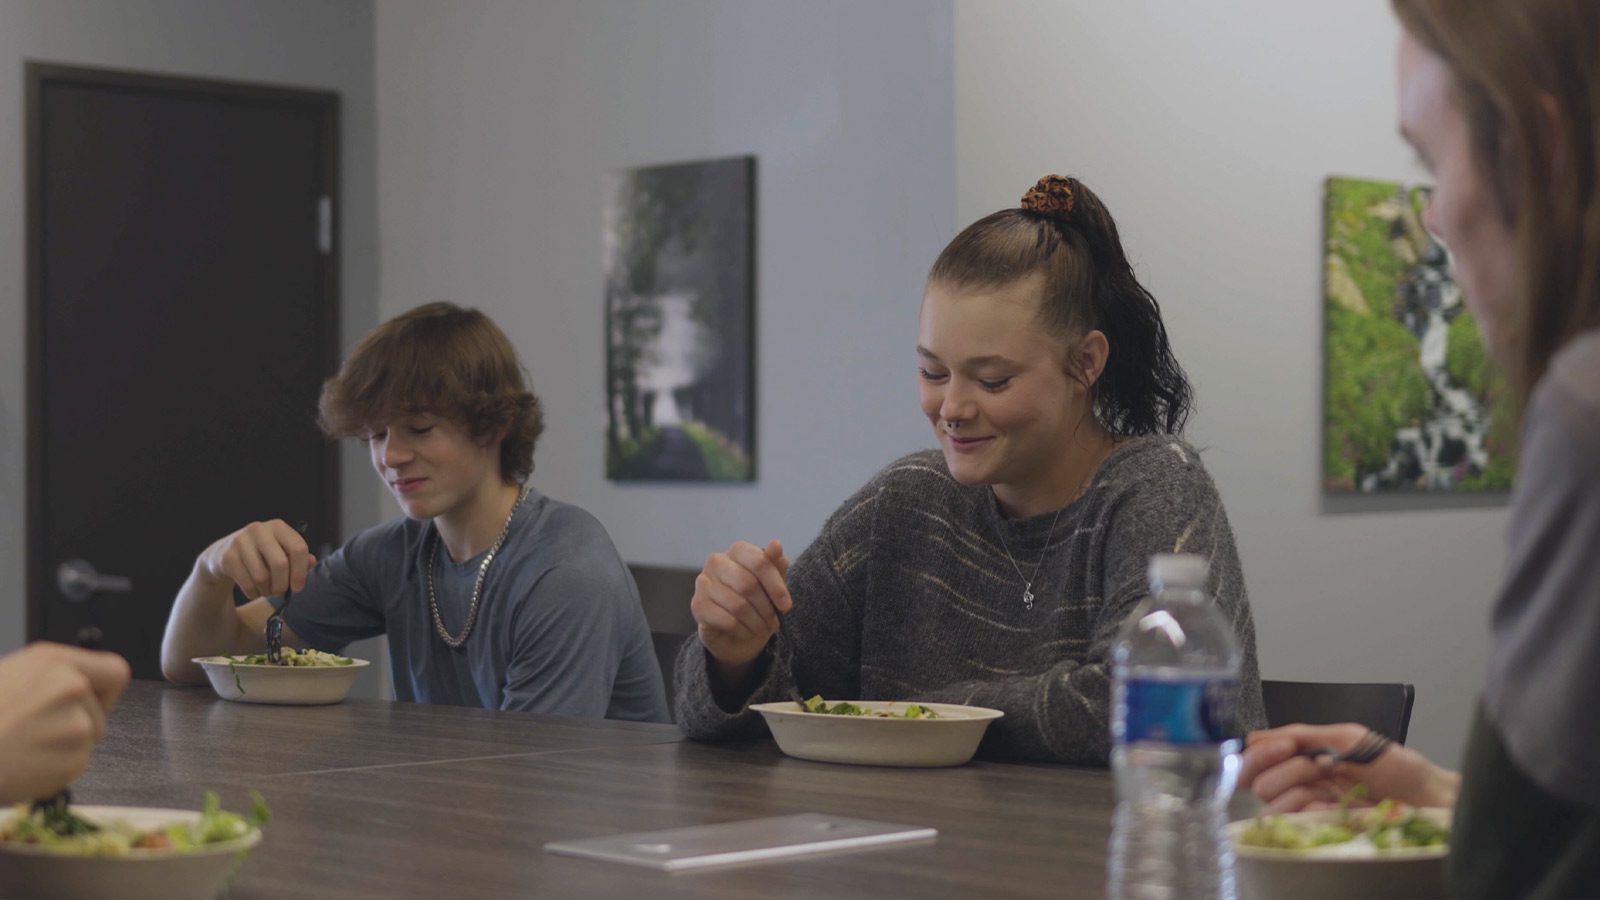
{"points": [[843, 708], [58, 829], [288, 657], [1387, 826], [292, 657]]}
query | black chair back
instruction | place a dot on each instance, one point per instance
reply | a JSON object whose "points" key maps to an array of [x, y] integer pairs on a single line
{"points": [[664, 592], [667, 646], [1383, 707]]}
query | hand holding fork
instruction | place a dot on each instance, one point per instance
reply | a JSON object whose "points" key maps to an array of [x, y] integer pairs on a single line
{"points": [[1296, 767], [1368, 748]]}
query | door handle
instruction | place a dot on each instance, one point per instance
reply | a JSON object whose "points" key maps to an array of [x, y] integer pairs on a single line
{"points": [[78, 580]]}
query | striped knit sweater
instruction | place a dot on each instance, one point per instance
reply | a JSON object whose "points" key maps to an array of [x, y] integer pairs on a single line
{"points": [[908, 593]]}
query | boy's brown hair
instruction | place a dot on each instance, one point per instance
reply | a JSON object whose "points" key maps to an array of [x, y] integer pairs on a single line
{"points": [[443, 360]]}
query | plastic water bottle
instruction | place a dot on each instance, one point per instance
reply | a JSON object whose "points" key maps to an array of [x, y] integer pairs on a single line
{"points": [[1175, 747]]}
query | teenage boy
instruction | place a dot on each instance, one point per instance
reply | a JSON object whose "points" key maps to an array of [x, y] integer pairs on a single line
{"points": [[490, 593]]}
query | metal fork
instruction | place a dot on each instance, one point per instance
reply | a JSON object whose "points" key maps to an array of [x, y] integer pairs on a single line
{"points": [[275, 621], [275, 631], [1370, 747]]}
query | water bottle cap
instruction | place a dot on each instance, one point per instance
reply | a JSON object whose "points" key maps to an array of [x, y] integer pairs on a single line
{"points": [[1178, 570]]}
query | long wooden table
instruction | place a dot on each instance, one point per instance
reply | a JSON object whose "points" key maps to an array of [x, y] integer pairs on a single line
{"points": [[379, 799]]}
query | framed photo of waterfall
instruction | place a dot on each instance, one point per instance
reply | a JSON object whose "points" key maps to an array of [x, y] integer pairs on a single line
{"points": [[1411, 401], [679, 300]]}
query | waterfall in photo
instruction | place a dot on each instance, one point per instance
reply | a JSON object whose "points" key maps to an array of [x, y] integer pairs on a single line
{"points": [[1448, 445]]}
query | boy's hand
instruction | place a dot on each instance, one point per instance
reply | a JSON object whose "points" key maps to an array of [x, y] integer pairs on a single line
{"points": [[262, 558]]}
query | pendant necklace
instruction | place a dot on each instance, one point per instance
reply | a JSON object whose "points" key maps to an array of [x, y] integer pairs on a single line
{"points": [[1027, 583]]}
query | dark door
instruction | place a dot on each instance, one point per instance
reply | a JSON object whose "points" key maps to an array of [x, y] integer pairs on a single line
{"points": [[181, 316]]}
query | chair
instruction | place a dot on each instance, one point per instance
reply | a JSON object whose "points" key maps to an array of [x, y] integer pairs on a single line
{"points": [[664, 592], [1385, 708]]}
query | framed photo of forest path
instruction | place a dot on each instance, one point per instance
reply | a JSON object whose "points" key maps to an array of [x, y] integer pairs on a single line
{"points": [[679, 301]]}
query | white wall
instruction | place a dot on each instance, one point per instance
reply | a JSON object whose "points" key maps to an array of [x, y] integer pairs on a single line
{"points": [[301, 43], [496, 125], [1207, 128]]}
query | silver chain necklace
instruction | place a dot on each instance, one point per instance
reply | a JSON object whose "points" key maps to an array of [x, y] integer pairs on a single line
{"points": [[477, 587], [1027, 583]]}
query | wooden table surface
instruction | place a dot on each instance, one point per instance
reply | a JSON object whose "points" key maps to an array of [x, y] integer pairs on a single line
{"points": [[379, 799]]}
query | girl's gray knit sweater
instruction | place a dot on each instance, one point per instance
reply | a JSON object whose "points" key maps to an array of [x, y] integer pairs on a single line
{"points": [[909, 593]]}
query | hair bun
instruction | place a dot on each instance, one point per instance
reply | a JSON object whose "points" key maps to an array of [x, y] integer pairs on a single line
{"points": [[1051, 197]]}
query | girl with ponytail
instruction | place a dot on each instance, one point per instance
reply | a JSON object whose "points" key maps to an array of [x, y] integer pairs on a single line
{"points": [[996, 570]]}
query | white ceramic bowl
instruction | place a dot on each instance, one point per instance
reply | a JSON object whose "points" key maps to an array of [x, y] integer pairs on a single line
{"points": [[949, 740], [293, 685], [32, 872], [1339, 872]]}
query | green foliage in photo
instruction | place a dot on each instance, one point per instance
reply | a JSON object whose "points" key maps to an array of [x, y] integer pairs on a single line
{"points": [[1375, 381], [627, 456], [1375, 385], [723, 459], [1363, 242]]}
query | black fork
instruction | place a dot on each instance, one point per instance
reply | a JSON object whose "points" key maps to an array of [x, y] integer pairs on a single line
{"points": [[1369, 748], [275, 621]]}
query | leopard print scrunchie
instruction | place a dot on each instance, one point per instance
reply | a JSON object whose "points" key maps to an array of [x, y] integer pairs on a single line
{"points": [[1051, 197]]}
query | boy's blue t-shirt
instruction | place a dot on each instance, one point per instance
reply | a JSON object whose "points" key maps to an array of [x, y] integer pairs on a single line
{"points": [[560, 629]]}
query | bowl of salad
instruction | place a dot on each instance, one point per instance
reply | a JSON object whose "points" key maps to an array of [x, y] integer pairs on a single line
{"points": [[1388, 850], [298, 678], [124, 852], [877, 732]]}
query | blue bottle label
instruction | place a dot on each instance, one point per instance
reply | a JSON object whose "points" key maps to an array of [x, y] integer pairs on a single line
{"points": [[1181, 712]]}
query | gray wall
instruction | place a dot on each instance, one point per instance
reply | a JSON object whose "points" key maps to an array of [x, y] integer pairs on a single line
{"points": [[1208, 129], [328, 46], [497, 123]]}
